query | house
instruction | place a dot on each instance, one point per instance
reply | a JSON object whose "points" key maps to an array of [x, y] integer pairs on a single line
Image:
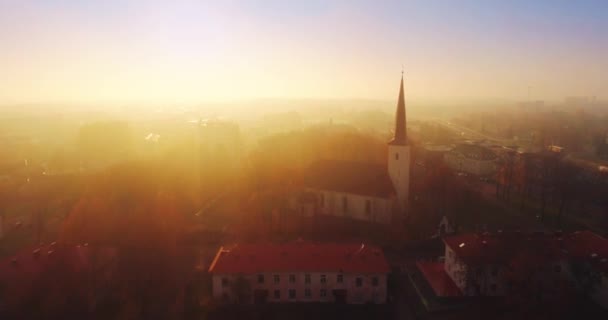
{"points": [[364, 191], [501, 263], [300, 272]]}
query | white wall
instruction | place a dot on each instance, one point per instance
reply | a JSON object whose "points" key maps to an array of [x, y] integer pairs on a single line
{"points": [[399, 172], [364, 294], [489, 278], [332, 203]]}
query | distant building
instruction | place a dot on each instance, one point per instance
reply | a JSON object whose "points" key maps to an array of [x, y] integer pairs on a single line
{"points": [[531, 105], [220, 153], [365, 191], [471, 158], [491, 264], [300, 272]]}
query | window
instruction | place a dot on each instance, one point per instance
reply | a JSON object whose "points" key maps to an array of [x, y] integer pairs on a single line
{"points": [[292, 278], [344, 204], [375, 281], [260, 278], [368, 207], [225, 282], [292, 293], [307, 278], [396, 156], [493, 288], [323, 293], [277, 278], [307, 293], [323, 279], [277, 294], [340, 278], [359, 282]]}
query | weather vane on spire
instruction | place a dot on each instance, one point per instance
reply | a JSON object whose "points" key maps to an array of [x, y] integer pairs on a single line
{"points": [[401, 71]]}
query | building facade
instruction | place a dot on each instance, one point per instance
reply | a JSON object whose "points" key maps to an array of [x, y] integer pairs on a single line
{"points": [[472, 159], [300, 272], [544, 264]]}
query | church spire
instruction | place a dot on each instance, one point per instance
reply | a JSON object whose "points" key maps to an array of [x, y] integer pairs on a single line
{"points": [[400, 137]]}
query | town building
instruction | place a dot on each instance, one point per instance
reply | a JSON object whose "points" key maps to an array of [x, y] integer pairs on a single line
{"points": [[471, 158], [220, 154], [504, 263], [300, 272], [364, 191]]}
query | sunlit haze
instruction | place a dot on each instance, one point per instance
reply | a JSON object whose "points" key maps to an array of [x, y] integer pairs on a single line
{"points": [[195, 51]]}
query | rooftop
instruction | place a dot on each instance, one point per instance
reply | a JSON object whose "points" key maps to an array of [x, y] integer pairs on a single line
{"points": [[299, 257], [438, 279], [503, 247], [350, 177]]}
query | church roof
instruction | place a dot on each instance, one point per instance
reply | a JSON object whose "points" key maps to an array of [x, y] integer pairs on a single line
{"points": [[400, 137], [350, 177]]}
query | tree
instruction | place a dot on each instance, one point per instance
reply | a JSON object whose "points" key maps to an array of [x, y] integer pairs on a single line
{"points": [[126, 208]]}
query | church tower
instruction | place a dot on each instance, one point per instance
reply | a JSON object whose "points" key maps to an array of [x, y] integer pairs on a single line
{"points": [[399, 154]]}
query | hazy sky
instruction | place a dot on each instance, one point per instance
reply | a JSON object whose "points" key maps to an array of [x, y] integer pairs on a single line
{"points": [[192, 51]]}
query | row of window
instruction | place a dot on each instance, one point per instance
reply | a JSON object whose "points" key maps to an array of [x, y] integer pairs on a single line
{"points": [[368, 204], [307, 279], [292, 293], [322, 279]]}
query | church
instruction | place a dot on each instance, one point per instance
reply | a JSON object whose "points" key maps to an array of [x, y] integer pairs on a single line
{"points": [[359, 190]]}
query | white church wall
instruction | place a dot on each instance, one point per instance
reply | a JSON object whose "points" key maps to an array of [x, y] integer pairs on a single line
{"points": [[359, 207], [399, 171]]}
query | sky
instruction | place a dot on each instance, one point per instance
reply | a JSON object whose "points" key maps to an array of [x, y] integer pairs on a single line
{"points": [[83, 51]]}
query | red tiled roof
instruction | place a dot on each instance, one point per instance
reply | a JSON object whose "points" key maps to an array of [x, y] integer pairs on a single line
{"points": [[351, 177], [503, 247], [299, 257], [435, 275], [590, 247]]}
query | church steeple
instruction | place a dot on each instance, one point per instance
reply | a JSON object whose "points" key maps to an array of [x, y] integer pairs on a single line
{"points": [[400, 137], [399, 155]]}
